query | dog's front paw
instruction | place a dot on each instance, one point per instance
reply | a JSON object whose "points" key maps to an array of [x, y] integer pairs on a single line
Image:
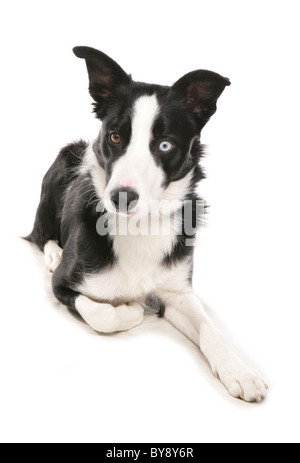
{"points": [[105, 318], [240, 380], [52, 255]]}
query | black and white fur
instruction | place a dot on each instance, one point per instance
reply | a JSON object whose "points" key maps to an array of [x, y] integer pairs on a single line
{"points": [[149, 147]]}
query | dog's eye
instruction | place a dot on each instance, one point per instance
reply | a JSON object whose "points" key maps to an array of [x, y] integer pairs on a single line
{"points": [[165, 146], [115, 138]]}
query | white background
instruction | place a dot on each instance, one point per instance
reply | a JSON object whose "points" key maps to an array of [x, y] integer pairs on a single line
{"points": [[61, 382]]}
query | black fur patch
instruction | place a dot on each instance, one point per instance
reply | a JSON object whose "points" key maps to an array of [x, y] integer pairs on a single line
{"points": [[155, 303]]}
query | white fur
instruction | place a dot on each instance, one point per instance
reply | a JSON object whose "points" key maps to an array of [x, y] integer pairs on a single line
{"points": [[137, 272], [52, 255], [137, 167], [91, 165]]}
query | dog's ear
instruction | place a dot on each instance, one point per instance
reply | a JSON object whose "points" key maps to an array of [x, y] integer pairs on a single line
{"points": [[104, 73], [200, 91]]}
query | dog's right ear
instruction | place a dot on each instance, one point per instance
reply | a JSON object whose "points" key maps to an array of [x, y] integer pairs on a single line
{"points": [[104, 73]]}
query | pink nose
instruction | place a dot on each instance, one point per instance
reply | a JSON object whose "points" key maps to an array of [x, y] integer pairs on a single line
{"points": [[127, 183]]}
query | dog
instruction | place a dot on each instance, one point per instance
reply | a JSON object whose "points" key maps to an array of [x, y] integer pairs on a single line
{"points": [[111, 215]]}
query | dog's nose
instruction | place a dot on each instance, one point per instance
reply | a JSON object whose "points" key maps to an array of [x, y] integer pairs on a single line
{"points": [[124, 199]]}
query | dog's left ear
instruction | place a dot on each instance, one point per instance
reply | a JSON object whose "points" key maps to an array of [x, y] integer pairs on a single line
{"points": [[200, 91]]}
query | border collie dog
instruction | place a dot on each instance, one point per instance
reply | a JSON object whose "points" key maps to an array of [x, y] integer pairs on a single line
{"points": [[118, 216]]}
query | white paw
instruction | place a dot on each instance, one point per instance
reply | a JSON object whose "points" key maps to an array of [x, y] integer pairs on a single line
{"points": [[104, 318], [241, 381], [52, 255]]}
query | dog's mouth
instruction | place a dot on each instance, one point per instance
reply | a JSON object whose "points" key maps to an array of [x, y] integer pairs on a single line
{"points": [[135, 212]]}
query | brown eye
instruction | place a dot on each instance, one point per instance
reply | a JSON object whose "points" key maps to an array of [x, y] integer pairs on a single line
{"points": [[115, 138]]}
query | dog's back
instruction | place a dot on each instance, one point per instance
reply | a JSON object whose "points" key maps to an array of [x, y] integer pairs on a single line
{"points": [[59, 177]]}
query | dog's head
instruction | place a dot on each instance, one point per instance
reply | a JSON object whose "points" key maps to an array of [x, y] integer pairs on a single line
{"points": [[149, 141]]}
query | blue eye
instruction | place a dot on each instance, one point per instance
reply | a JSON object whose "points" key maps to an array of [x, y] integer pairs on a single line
{"points": [[165, 146]]}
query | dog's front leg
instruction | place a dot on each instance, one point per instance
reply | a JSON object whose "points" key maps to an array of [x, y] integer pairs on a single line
{"points": [[187, 314], [102, 317]]}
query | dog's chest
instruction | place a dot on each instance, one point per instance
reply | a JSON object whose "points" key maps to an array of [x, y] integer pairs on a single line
{"points": [[138, 271]]}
